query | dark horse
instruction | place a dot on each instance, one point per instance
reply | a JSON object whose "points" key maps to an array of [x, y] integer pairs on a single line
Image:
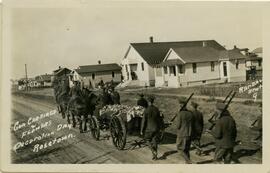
{"points": [[81, 108], [61, 94]]}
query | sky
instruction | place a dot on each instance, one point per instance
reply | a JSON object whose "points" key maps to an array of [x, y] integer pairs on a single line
{"points": [[45, 38]]}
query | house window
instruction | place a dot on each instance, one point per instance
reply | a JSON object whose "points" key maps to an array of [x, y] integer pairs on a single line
{"points": [[194, 67], [260, 63], [126, 68], [113, 74], [142, 64], [181, 69], [212, 66], [236, 64], [165, 70], [93, 76]]}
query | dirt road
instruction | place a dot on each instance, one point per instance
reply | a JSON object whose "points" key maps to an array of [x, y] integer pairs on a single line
{"points": [[82, 148]]}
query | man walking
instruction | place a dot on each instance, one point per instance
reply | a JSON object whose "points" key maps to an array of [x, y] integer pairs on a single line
{"points": [[142, 101], [225, 133], [198, 127], [257, 126], [184, 124], [151, 125]]}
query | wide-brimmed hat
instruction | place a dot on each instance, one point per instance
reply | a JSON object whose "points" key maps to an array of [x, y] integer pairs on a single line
{"points": [[220, 105], [182, 100], [194, 104]]}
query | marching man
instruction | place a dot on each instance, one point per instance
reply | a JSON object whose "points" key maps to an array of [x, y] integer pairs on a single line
{"points": [[225, 133], [151, 125]]}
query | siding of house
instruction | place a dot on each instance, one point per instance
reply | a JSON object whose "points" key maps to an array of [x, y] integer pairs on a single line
{"points": [[159, 77], [144, 76], [203, 72], [105, 76], [237, 75]]}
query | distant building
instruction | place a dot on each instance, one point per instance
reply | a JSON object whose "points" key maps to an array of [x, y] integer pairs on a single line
{"points": [[91, 75], [254, 64], [61, 72], [43, 80]]}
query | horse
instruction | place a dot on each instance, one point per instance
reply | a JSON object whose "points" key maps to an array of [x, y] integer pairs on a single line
{"points": [[81, 108]]}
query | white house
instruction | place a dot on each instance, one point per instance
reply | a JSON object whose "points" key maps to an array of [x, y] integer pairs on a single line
{"points": [[141, 58], [91, 75], [187, 66]]}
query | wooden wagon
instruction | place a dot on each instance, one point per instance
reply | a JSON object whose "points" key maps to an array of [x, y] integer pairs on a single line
{"points": [[120, 120]]}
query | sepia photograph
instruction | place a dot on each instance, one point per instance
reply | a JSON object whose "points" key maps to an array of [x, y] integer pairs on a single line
{"points": [[133, 82]]}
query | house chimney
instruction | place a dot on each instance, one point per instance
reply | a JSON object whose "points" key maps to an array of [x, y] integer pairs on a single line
{"points": [[99, 62], [151, 39], [234, 47], [59, 67], [204, 43]]}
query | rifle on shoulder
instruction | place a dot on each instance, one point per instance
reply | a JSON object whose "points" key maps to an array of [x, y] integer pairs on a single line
{"points": [[210, 120], [184, 105], [227, 105]]}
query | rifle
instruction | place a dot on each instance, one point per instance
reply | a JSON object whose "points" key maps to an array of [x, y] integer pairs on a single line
{"points": [[210, 120], [227, 105], [184, 105]]}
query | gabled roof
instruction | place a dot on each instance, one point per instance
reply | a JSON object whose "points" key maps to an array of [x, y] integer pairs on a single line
{"points": [[154, 53], [197, 54], [258, 50], [98, 68], [231, 54], [61, 71]]}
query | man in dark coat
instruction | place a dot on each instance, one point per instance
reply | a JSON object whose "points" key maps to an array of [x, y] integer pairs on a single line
{"points": [[184, 126], [257, 125], [225, 133], [151, 126], [198, 127], [115, 96], [142, 101]]}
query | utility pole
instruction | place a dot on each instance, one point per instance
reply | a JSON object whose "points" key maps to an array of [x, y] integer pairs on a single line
{"points": [[26, 78]]}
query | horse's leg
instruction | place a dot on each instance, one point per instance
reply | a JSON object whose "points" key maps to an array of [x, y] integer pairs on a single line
{"points": [[73, 121], [68, 120], [85, 122], [81, 119], [63, 111]]}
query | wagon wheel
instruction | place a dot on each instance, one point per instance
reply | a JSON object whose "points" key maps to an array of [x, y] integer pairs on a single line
{"points": [[118, 132], [94, 127]]}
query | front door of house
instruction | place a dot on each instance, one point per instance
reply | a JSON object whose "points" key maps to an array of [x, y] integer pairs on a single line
{"points": [[225, 72]]}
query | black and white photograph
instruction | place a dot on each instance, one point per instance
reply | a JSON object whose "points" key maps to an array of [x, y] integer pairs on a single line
{"points": [[133, 82]]}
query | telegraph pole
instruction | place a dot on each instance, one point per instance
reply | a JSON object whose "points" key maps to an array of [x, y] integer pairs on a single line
{"points": [[26, 78]]}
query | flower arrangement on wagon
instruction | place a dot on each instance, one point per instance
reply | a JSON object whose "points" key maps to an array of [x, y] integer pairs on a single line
{"points": [[129, 111]]}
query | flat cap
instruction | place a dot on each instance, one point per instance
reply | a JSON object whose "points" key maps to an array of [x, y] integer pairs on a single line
{"points": [[220, 105], [182, 100]]}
